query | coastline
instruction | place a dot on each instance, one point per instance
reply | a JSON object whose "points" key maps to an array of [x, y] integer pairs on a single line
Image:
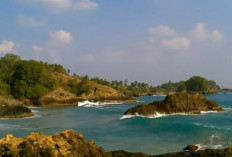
{"points": [[70, 143], [28, 115]]}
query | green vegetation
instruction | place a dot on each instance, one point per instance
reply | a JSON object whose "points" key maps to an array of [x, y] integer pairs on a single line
{"points": [[26, 79], [134, 88], [192, 85], [30, 79]]}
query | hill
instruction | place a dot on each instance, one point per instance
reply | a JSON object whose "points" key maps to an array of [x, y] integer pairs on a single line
{"points": [[42, 84], [192, 85]]}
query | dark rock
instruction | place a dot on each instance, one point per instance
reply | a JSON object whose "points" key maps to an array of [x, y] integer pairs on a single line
{"points": [[11, 108], [122, 153], [178, 102], [201, 153], [191, 147]]}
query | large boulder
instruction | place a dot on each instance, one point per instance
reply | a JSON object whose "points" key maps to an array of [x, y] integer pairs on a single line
{"points": [[175, 103], [191, 147], [64, 144], [11, 108]]}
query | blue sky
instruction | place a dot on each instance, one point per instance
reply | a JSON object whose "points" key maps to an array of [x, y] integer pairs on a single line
{"points": [[145, 40]]}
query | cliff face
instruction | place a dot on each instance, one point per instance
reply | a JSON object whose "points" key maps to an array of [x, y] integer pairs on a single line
{"points": [[61, 97], [64, 144], [58, 97], [181, 102], [10, 108], [100, 92]]}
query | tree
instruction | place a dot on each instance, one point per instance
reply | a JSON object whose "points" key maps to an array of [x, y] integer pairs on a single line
{"points": [[197, 84], [30, 76], [4, 88], [182, 86], [6, 66]]}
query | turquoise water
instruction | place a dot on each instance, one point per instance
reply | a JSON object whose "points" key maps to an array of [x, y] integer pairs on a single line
{"points": [[153, 136]]}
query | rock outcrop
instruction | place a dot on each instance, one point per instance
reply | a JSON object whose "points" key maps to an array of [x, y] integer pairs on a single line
{"points": [[201, 153], [61, 97], [176, 103], [64, 144], [122, 153], [191, 147], [72, 144], [58, 97], [11, 108]]}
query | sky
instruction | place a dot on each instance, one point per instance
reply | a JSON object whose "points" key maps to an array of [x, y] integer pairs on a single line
{"points": [[145, 40]]}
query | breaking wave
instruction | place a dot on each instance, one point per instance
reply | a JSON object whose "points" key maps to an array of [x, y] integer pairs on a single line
{"points": [[88, 103], [158, 115], [211, 126]]}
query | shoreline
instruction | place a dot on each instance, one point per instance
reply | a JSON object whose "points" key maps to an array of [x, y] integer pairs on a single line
{"points": [[29, 115]]}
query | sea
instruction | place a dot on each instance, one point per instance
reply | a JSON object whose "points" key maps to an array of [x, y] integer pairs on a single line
{"points": [[103, 123]]}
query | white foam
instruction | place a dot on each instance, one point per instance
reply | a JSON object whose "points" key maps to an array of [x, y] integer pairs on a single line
{"points": [[211, 126], [158, 115], [205, 146], [88, 103], [34, 111], [227, 108], [140, 101], [127, 116], [205, 112]]}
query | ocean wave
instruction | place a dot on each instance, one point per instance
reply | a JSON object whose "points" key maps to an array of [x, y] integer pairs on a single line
{"points": [[211, 126], [158, 115], [208, 146], [214, 142], [138, 101], [34, 111], [11, 127], [88, 103], [227, 108], [206, 112]]}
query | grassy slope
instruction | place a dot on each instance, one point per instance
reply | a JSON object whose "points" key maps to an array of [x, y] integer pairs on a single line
{"points": [[62, 96]]}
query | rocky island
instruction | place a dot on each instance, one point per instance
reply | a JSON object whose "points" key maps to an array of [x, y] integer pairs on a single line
{"points": [[11, 108], [175, 103]]}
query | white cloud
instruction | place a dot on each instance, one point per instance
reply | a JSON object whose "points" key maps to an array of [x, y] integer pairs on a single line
{"points": [[201, 33], [7, 47], [60, 41], [60, 37], [177, 43], [85, 5], [162, 30], [167, 37], [89, 57], [28, 21], [37, 49], [59, 5]]}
